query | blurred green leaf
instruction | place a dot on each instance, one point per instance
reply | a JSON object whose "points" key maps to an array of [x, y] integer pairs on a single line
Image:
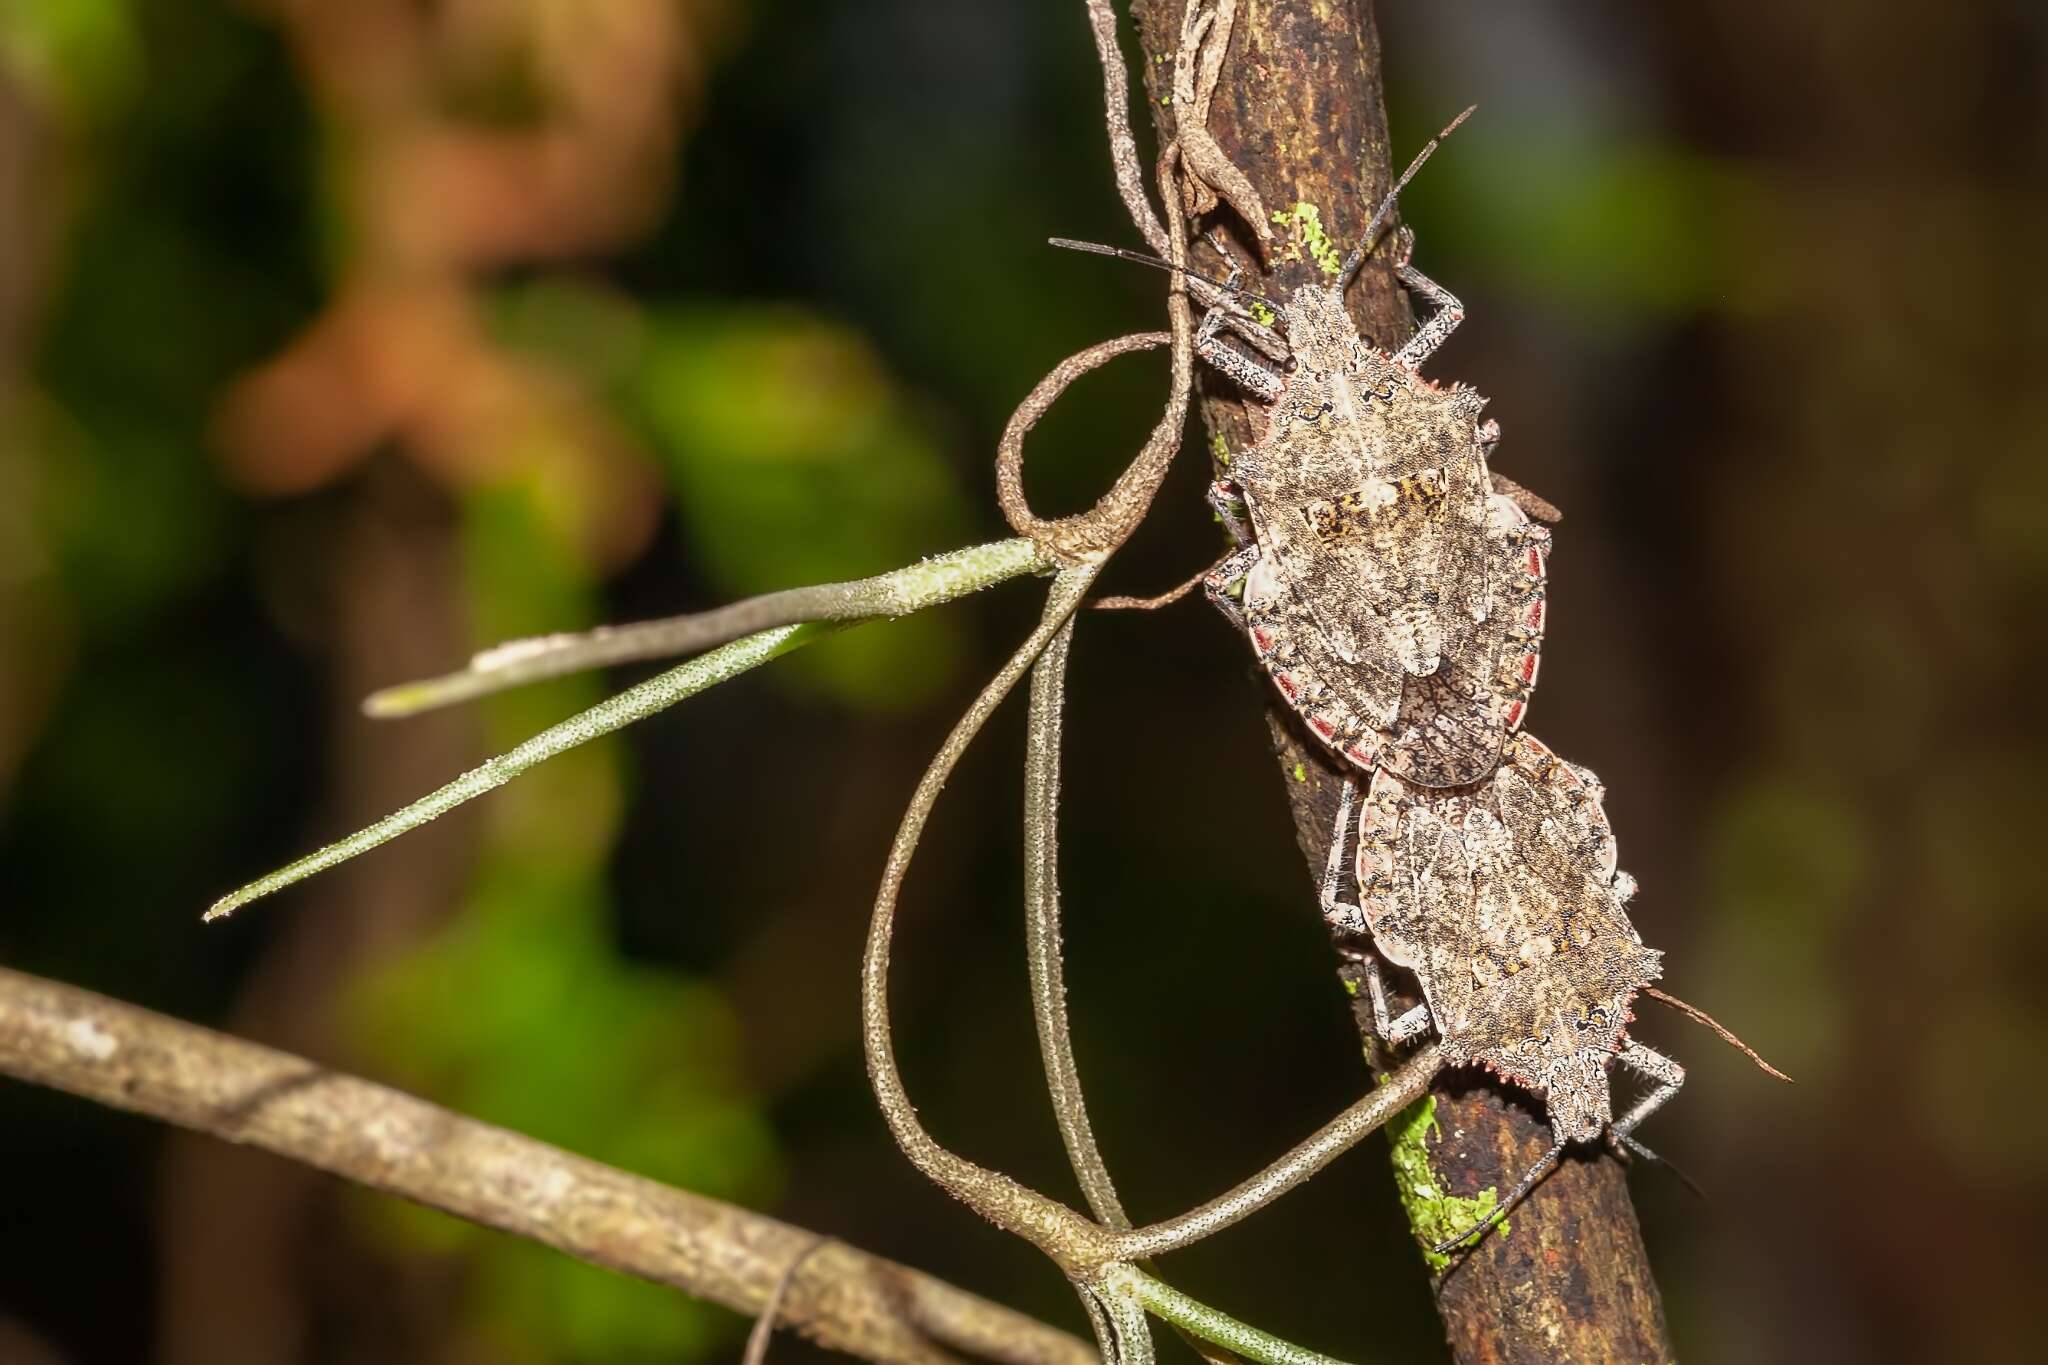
{"points": [[132, 517], [1618, 232], [796, 460], [1790, 862], [85, 54], [521, 1014]]}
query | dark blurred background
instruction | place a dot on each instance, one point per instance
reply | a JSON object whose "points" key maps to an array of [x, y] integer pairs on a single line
{"points": [[337, 340]]}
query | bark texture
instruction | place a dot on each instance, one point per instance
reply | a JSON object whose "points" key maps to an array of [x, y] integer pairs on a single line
{"points": [[1301, 111]]}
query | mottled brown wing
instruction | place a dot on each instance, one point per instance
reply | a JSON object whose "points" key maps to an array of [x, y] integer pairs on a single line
{"points": [[1415, 889], [1454, 726], [1373, 505], [1560, 958], [1347, 706]]}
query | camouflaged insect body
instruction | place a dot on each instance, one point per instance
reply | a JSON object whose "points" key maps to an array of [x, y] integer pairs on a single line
{"points": [[1505, 901], [1446, 729], [1397, 602], [1369, 490]]}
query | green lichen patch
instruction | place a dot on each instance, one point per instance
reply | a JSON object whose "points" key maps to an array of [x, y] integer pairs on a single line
{"points": [[1304, 223], [1263, 315], [1220, 449], [1435, 1214]]}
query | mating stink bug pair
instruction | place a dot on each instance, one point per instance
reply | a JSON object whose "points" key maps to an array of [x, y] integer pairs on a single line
{"points": [[1398, 600]]}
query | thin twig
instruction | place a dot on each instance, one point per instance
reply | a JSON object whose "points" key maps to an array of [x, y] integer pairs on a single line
{"points": [[1116, 118], [613, 713], [941, 579], [934, 581], [1078, 1245], [130, 1058], [764, 1325], [1042, 931], [1094, 535], [1248, 1341], [1396, 1091], [1055, 1229], [1164, 599], [1010, 447]]}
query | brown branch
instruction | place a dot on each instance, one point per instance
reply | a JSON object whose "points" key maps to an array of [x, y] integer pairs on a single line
{"points": [[130, 1058], [1301, 111]]}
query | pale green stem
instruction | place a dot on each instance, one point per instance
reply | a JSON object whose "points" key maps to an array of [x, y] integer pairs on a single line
{"points": [[935, 581], [1133, 1334], [939, 579], [1200, 1320], [613, 713]]}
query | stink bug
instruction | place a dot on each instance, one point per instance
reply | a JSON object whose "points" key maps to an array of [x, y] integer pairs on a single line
{"points": [[1505, 901]]}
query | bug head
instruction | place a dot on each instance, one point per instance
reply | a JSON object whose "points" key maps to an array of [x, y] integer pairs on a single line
{"points": [[1577, 1096], [1319, 331]]}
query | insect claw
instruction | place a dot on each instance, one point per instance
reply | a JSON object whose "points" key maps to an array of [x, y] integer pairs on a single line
{"points": [[1506, 1206], [1635, 1148]]}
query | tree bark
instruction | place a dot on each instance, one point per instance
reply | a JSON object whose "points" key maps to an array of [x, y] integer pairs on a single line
{"points": [[1301, 111]]}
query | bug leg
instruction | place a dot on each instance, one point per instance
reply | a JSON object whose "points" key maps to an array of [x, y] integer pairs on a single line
{"points": [[1339, 915], [1506, 1206], [1225, 499], [1442, 322], [1218, 579], [1236, 316], [1665, 1076], [1393, 1032], [1247, 373], [1348, 918], [1260, 337], [1240, 369]]}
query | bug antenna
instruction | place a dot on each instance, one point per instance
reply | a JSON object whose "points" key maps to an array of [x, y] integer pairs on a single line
{"points": [[1700, 1016], [1379, 217], [1158, 263], [1515, 1196]]}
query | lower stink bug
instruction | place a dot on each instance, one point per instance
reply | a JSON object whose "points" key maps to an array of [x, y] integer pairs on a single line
{"points": [[1505, 901]]}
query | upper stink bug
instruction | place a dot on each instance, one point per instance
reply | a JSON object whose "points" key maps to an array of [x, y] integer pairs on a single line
{"points": [[1397, 601], [1394, 596]]}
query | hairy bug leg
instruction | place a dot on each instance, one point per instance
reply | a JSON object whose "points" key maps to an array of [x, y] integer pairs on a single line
{"points": [[1339, 915], [1506, 1206], [1235, 315], [1350, 919], [1393, 1031], [1665, 1077], [1216, 582], [1449, 312], [1244, 371], [1228, 502], [1240, 369]]}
